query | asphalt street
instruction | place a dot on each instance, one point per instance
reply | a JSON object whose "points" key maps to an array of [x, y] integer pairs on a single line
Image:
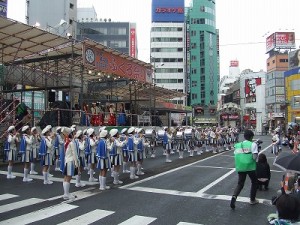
{"points": [[192, 190]]}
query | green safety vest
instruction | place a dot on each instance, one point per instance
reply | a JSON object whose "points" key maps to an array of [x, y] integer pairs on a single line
{"points": [[243, 157]]}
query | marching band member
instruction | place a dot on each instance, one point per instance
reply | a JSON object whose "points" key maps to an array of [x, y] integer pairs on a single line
{"points": [[115, 150], [36, 138], [80, 147], [58, 147], [180, 142], [125, 154], [71, 163], [26, 151], [168, 145], [141, 151], [213, 140], [92, 145], [198, 141], [132, 151], [103, 159], [10, 149], [46, 152]]}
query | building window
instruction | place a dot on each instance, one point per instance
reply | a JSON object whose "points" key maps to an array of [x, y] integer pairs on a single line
{"points": [[71, 6], [194, 83], [283, 60], [194, 96], [296, 101]]}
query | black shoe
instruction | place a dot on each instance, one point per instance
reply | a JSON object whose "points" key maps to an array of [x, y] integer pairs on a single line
{"points": [[232, 203]]}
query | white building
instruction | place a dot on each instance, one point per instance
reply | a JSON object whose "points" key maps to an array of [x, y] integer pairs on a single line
{"points": [[87, 14], [168, 57], [55, 16], [252, 99]]}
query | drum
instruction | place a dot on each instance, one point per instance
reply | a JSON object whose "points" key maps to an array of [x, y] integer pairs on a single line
{"points": [[189, 134], [179, 135], [160, 135], [150, 134]]}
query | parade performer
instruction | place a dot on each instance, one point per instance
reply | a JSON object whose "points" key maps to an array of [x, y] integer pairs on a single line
{"points": [[141, 150], [85, 121], [103, 160], [122, 116], [125, 154], [180, 142], [92, 145], [46, 152], [26, 151], [94, 115], [10, 149], [168, 145], [132, 151], [115, 147], [80, 147], [112, 117], [58, 147], [71, 163], [36, 138]]}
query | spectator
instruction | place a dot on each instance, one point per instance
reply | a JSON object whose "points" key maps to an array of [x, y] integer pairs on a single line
{"points": [[263, 172]]}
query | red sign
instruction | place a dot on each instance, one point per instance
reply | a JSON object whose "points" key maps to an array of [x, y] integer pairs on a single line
{"points": [[285, 39], [230, 117], [132, 43], [250, 89], [270, 43], [116, 65], [169, 10]]}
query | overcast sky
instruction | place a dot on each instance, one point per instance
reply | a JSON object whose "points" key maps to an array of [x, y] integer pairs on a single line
{"points": [[243, 24]]}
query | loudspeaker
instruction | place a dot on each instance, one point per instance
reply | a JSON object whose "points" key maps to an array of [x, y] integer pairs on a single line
{"points": [[51, 96]]}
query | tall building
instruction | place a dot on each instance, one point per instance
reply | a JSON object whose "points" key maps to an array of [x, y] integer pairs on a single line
{"points": [[278, 46], [167, 46], [55, 16], [120, 36], [203, 47]]}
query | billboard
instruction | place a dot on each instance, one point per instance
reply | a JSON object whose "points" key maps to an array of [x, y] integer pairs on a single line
{"points": [[3, 8], [168, 11], [250, 89], [294, 59], [109, 63], [283, 40]]}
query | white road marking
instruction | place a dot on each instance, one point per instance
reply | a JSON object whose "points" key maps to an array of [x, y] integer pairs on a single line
{"points": [[185, 223], [164, 173], [40, 214], [88, 218], [40, 177], [19, 204], [80, 194], [217, 181], [194, 194], [138, 220], [7, 196]]}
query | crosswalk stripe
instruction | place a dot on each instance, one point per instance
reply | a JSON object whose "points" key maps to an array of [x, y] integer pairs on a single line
{"points": [[185, 223], [7, 196], [138, 220], [19, 204], [88, 218], [40, 214]]}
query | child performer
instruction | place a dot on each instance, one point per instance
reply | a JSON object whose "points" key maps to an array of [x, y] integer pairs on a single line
{"points": [[80, 146], [10, 149], [26, 151]]}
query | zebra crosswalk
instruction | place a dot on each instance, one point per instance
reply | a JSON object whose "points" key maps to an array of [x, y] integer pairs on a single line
{"points": [[94, 216]]}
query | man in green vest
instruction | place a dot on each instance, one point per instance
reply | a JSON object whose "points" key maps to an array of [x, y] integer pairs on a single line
{"points": [[245, 154]]}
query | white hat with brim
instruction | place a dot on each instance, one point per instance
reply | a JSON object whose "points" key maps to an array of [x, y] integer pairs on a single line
{"points": [[10, 128], [33, 129], [73, 126], [113, 132], [90, 131], [102, 128], [26, 127], [66, 131], [78, 133], [140, 130], [84, 131], [46, 129], [130, 130], [103, 133], [123, 131], [58, 128]]}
